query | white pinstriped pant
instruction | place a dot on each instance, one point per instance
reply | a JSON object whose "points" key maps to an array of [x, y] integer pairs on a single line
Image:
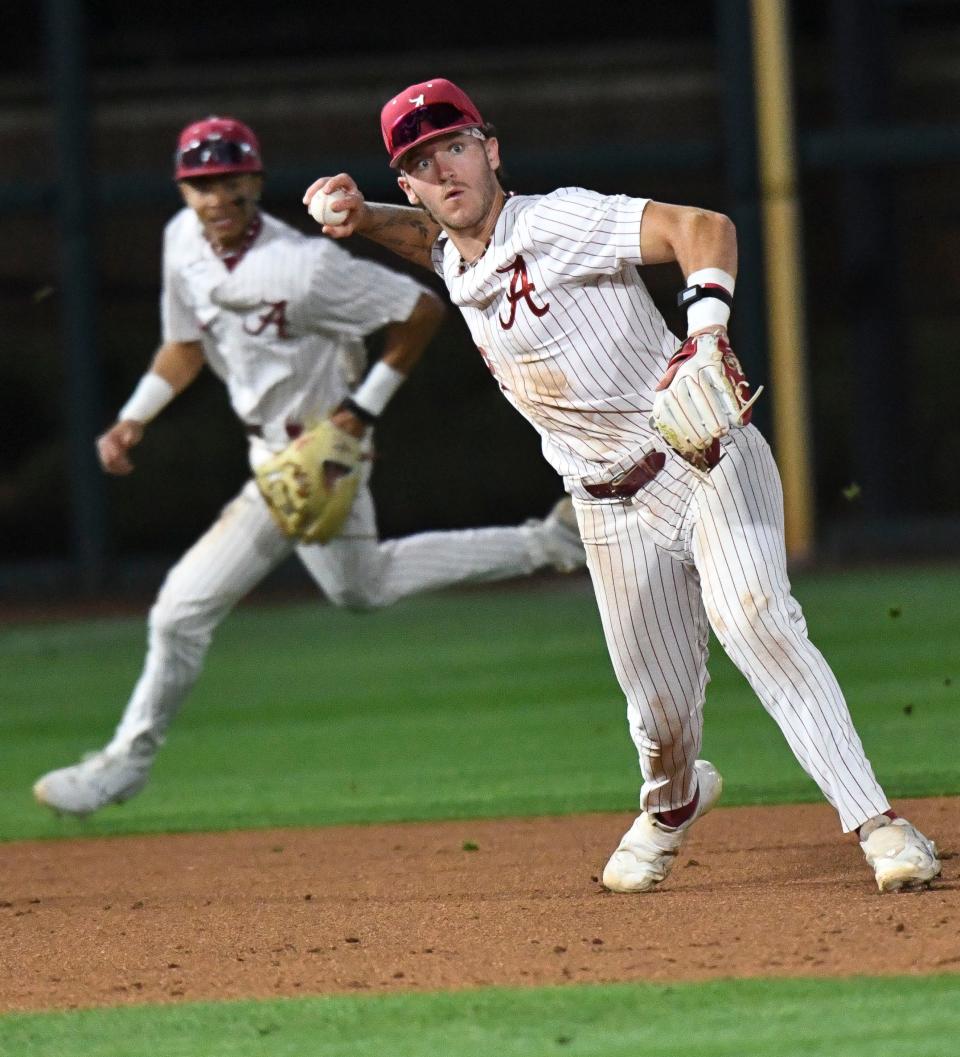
{"points": [[727, 572], [244, 545]]}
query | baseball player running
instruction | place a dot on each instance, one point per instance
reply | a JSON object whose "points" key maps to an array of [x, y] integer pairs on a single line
{"points": [[678, 499], [281, 319]]}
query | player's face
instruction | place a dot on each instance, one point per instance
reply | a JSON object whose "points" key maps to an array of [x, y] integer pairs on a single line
{"points": [[225, 204], [453, 178]]}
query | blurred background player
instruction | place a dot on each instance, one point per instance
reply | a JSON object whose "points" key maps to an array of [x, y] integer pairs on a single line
{"points": [[281, 319], [550, 291]]}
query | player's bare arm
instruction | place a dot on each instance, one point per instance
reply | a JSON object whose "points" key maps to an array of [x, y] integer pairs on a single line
{"points": [[694, 238], [704, 393], [404, 343], [175, 365], [179, 362], [405, 230]]}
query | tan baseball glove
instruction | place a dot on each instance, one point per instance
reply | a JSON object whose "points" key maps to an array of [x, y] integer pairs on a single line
{"points": [[310, 486], [703, 395]]}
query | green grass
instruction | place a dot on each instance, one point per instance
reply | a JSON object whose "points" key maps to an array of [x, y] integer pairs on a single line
{"points": [[894, 1017], [478, 704], [458, 705]]}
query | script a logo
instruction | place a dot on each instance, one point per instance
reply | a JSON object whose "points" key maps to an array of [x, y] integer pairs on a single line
{"points": [[417, 100], [520, 289], [275, 315]]}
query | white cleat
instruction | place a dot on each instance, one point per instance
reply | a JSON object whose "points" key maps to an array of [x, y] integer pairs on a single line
{"points": [[901, 856], [561, 537], [649, 848], [98, 780]]}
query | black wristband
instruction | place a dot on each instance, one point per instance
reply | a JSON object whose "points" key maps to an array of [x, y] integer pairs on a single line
{"points": [[347, 404], [690, 294]]}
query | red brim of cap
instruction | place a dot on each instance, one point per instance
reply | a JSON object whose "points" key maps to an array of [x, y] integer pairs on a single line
{"points": [[432, 134], [214, 170]]}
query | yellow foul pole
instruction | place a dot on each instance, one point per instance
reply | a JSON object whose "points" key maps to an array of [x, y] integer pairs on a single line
{"points": [[782, 237]]}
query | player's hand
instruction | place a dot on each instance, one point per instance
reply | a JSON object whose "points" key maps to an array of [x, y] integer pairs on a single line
{"points": [[114, 445], [703, 395], [352, 206], [678, 360], [349, 423]]}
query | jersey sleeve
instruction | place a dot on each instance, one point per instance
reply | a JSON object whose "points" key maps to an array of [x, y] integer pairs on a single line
{"points": [[583, 233], [355, 296], [438, 255], [178, 321]]}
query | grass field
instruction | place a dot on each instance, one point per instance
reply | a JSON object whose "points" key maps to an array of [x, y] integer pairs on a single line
{"points": [[477, 704], [736, 1018]]}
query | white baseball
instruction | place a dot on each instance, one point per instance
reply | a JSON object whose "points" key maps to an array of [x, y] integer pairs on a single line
{"points": [[323, 209]]}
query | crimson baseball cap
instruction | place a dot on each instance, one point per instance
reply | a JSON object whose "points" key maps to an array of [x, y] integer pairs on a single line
{"points": [[214, 146], [424, 111]]}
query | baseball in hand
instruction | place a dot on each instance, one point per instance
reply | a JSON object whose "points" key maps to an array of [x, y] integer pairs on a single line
{"points": [[323, 208]]}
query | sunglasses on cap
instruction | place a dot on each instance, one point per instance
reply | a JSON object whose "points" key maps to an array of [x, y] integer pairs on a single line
{"points": [[207, 153], [434, 117]]}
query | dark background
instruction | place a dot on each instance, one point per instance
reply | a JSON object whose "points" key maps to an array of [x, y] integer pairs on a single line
{"points": [[635, 98]]}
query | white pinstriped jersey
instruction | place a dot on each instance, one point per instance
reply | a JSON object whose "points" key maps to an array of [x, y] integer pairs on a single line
{"points": [[284, 328], [571, 334], [567, 326]]}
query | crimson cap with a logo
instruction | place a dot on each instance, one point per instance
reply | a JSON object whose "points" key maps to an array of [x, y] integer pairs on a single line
{"points": [[423, 111], [214, 146]]}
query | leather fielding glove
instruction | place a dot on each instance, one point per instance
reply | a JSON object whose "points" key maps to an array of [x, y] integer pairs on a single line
{"points": [[310, 486], [703, 395]]}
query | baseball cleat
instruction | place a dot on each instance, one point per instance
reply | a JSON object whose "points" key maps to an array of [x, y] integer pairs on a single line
{"points": [[98, 780], [561, 537], [901, 856], [649, 848]]}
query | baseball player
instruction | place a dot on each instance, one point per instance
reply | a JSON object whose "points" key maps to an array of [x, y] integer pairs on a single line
{"points": [[678, 499], [281, 319]]}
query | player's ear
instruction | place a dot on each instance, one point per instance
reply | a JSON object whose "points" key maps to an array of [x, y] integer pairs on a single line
{"points": [[492, 148], [404, 185]]}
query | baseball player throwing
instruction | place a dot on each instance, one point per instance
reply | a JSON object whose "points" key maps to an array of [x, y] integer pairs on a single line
{"points": [[678, 499], [281, 319]]}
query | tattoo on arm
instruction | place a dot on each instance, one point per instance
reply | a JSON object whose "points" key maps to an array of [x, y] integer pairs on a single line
{"points": [[404, 230]]}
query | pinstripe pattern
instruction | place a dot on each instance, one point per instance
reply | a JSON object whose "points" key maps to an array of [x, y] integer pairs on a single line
{"points": [[738, 547], [571, 334], [235, 554], [582, 373], [245, 545], [728, 572], [656, 632], [291, 363]]}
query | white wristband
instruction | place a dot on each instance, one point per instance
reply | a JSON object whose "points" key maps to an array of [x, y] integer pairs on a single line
{"points": [[377, 388], [151, 396], [712, 276], [709, 311]]}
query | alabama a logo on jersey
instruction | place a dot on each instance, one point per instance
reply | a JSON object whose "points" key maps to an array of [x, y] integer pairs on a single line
{"points": [[521, 289], [275, 316]]}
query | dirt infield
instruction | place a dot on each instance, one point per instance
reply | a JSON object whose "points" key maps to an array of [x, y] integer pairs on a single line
{"points": [[756, 892]]}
